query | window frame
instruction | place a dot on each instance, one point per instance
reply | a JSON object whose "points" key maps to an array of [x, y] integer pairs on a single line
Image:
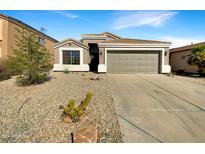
{"points": [[71, 59], [61, 49]]}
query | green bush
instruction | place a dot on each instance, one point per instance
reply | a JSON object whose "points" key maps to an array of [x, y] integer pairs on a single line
{"points": [[76, 112], [31, 60], [4, 71], [34, 79], [197, 57], [66, 70]]}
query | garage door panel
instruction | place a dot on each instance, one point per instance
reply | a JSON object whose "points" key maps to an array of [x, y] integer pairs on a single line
{"points": [[132, 62]]}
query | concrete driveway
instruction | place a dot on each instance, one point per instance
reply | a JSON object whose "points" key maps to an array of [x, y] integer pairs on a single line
{"points": [[158, 108]]}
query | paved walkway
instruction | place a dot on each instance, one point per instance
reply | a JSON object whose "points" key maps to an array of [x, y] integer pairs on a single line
{"points": [[157, 108]]}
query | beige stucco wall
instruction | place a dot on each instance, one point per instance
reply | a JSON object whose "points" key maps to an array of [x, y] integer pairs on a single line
{"points": [[86, 55], [4, 38], [166, 57], [177, 63]]}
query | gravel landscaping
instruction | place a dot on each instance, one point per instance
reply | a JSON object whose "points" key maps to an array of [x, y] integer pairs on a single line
{"points": [[32, 114]]}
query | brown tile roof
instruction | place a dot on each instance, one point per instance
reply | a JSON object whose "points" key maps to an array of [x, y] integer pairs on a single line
{"points": [[16, 21], [187, 47], [71, 40], [134, 41]]}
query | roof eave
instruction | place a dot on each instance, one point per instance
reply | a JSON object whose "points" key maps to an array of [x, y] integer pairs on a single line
{"points": [[187, 47], [133, 45], [69, 41]]}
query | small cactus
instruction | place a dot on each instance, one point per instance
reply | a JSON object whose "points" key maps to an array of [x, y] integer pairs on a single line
{"points": [[86, 101], [71, 104], [76, 112]]}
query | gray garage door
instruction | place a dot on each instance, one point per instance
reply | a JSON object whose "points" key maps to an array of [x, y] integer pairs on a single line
{"points": [[132, 61]]}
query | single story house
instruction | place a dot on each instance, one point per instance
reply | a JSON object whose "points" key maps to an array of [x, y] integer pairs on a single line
{"points": [[8, 31], [110, 53], [179, 56]]}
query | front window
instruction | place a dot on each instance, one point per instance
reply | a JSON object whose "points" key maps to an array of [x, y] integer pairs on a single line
{"points": [[41, 40], [71, 57]]}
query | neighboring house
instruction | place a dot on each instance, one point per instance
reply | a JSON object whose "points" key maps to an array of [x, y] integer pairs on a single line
{"points": [[110, 53], [179, 56], [8, 31]]}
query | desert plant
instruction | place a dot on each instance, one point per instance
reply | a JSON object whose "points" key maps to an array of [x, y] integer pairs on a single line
{"points": [[66, 70], [76, 112], [31, 60], [197, 57], [4, 71]]}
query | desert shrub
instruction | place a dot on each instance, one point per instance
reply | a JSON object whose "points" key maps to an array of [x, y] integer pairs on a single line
{"points": [[76, 112], [197, 57], [34, 79], [4, 71], [31, 60], [66, 70]]}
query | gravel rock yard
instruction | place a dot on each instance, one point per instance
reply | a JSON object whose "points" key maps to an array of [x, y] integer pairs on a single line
{"points": [[32, 114]]}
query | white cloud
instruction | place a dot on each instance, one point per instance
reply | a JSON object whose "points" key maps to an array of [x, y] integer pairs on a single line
{"points": [[140, 18], [177, 42], [66, 14]]}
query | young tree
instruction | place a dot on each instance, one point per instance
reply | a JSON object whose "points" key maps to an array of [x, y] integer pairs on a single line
{"points": [[197, 57], [4, 71], [31, 60]]}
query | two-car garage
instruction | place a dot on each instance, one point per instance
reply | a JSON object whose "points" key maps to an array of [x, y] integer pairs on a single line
{"points": [[131, 61], [132, 56]]}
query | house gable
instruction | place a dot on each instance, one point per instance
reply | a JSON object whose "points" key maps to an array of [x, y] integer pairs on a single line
{"points": [[70, 43]]}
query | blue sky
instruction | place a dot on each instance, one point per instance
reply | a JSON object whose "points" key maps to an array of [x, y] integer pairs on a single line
{"points": [[179, 27]]}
